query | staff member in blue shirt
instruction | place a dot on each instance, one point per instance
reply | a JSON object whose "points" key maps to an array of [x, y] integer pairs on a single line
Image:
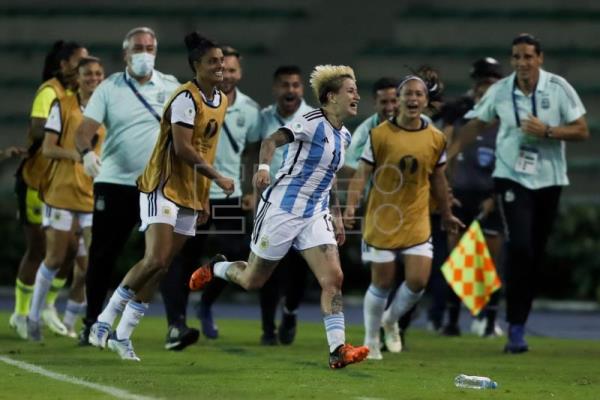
{"points": [[129, 105], [538, 112]]}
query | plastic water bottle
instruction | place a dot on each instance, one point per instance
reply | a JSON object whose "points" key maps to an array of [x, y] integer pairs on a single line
{"points": [[474, 382]]}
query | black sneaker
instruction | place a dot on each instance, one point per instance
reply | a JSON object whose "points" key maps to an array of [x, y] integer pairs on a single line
{"points": [[268, 339], [287, 329], [84, 336], [450, 330], [180, 337]]}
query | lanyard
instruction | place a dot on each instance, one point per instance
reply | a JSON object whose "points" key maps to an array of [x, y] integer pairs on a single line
{"points": [[234, 145], [141, 98], [514, 101]]}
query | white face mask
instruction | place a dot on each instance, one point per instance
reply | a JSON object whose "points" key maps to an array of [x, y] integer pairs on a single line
{"points": [[142, 64]]}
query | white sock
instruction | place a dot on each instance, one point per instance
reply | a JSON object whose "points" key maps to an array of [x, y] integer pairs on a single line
{"points": [[373, 308], [132, 316], [43, 281], [335, 328], [220, 269], [115, 305], [72, 311], [403, 301]]}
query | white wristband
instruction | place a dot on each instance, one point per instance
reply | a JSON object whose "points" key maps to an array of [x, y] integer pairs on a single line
{"points": [[264, 167]]}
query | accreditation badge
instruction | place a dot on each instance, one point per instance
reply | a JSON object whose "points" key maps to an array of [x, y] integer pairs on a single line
{"points": [[527, 162]]}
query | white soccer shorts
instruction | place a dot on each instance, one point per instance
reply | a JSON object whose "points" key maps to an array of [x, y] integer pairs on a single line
{"points": [[62, 220], [156, 209], [371, 254], [275, 231]]}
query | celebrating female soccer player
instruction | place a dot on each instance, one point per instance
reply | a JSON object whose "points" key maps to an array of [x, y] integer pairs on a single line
{"points": [[66, 192], [173, 197], [406, 158], [294, 210]]}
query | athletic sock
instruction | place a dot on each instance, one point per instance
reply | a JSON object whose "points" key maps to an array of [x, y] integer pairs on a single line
{"points": [[43, 281], [220, 269], [403, 301], [115, 305], [373, 308], [23, 293], [336, 330], [134, 311], [72, 310], [57, 285]]}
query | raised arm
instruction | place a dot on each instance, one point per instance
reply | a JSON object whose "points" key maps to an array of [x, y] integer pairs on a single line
{"points": [[466, 135], [281, 137], [51, 149], [182, 145], [83, 141], [575, 131]]}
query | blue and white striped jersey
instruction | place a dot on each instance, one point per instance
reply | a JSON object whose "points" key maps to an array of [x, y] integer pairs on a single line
{"points": [[302, 185]]}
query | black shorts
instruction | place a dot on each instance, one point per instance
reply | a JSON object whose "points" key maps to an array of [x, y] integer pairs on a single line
{"points": [[471, 207]]}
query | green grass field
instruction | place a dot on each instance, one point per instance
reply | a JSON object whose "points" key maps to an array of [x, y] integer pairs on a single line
{"points": [[236, 367]]}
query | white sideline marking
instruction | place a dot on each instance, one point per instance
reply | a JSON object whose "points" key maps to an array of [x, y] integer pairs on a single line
{"points": [[113, 391]]}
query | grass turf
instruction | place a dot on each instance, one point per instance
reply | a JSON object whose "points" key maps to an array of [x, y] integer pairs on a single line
{"points": [[236, 367]]}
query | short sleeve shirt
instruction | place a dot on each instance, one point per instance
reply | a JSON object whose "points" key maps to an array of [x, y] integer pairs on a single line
{"points": [[556, 103], [131, 129], [359, 139], [271, 122], [242, 125], [42, 103]]}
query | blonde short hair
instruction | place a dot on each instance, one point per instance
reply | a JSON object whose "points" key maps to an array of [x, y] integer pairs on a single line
{"points": [[329, 78]]}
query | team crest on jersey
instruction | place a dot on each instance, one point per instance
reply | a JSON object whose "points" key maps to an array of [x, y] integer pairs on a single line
{"points": [[241, 121], [409, 164], [161, 96], [212, 127], [297, 127], [545, 103], [189, 112], [56, 216], [264, 242], [166, 211]]}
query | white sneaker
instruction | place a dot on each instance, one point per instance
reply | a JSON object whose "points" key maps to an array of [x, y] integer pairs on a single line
{"points": [[71, 333], [391, 335], [122, 347], [52, 321], [19, 324], [374, 350], [99, 333], [498, 330], [478, 327]]}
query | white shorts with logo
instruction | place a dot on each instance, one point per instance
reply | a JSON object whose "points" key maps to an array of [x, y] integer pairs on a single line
{"points": [[157, 209], [371, 254], [275, 231], [62, 220]]}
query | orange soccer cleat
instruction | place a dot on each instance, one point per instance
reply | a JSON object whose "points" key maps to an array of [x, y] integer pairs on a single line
{"points": [[203, 275], [347, 354]]}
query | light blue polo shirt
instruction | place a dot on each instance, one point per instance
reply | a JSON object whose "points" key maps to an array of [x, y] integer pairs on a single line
{"points": [[271, 122], [131, 130], [556, 103], [242, 125], [359, 140]]}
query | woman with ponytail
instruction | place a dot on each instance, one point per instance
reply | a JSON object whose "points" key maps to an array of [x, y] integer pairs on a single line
{"points": [[59, 80], [174, 190]]}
